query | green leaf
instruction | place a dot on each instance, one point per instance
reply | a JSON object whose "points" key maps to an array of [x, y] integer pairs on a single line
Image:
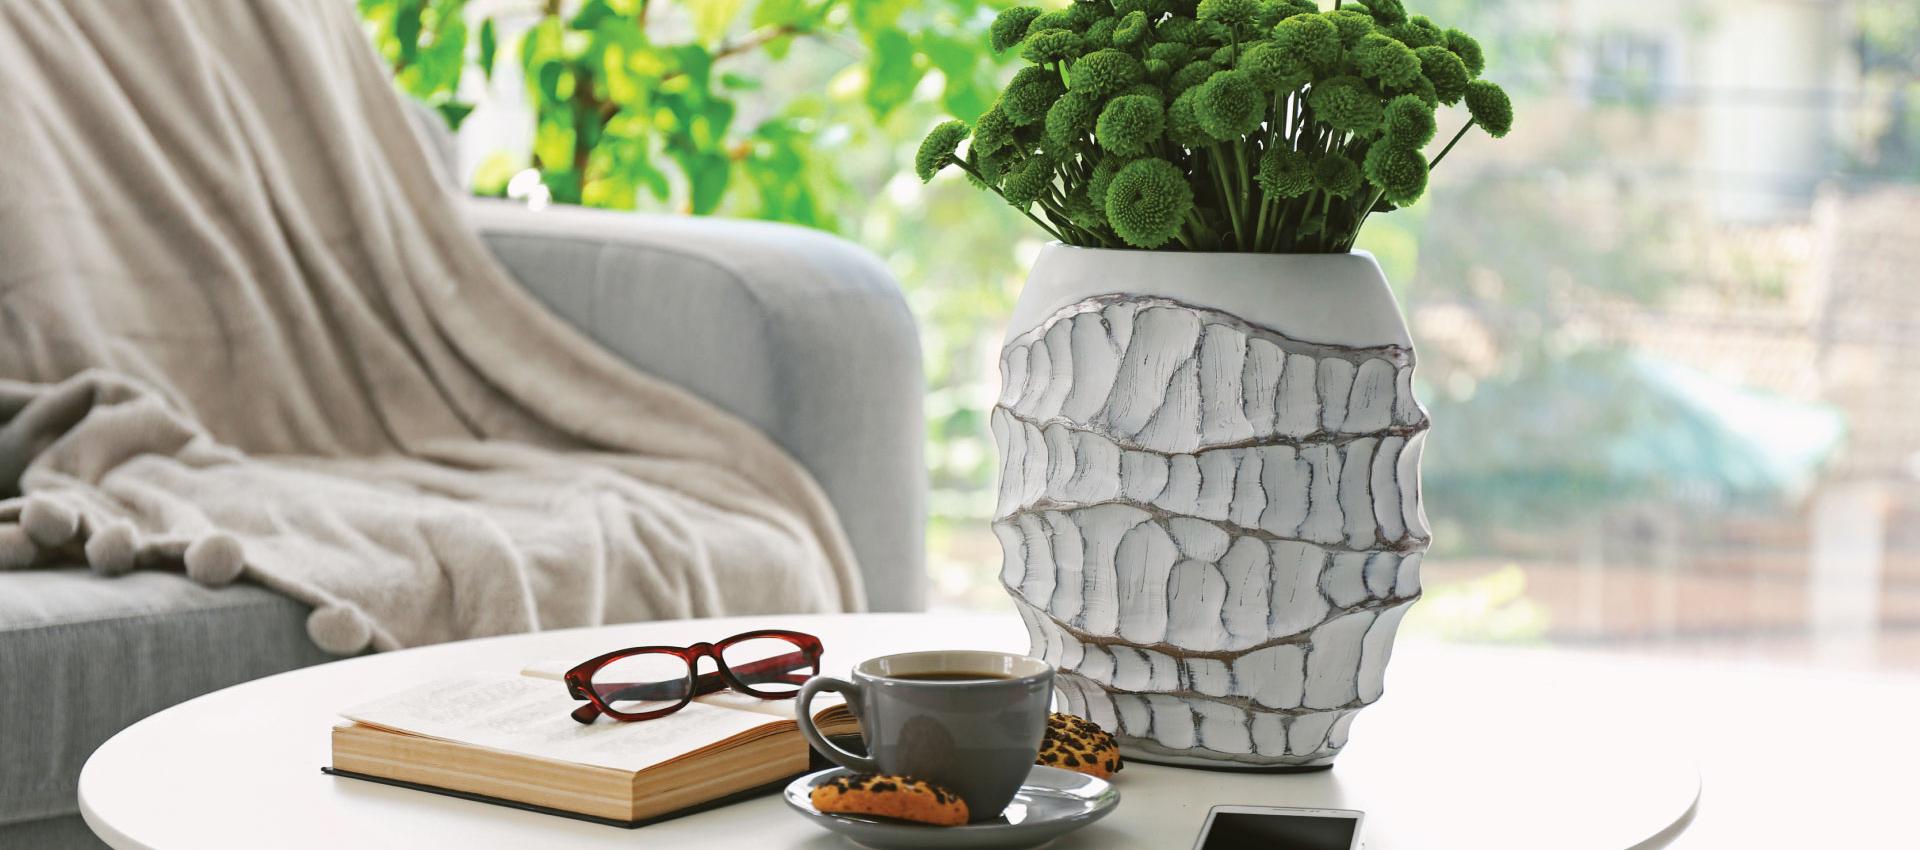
{"points": [[591, 14], [406, 28], [489, 46], [712, 17], [892, 72], [738, 82], [454, 112]]}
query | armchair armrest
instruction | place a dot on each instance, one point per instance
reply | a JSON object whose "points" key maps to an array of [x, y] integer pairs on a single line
{"points": [[800, 333]]}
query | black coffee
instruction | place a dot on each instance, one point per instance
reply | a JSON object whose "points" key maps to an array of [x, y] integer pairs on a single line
{"points": [[949, 676]]}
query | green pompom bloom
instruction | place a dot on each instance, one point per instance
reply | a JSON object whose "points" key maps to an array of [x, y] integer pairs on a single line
{"points": [[1183, 128], [1401, 173], [1488, 104], [1156, 69], [1280, 10], [1179, 29], [1272, 69], [1071, 118], [1028, 181], [1388, 13], [1010, 27], [1104, 72], [992, 133], [1228, 105], [1409, 122], [1421, 88], [1336, 175], [1122, 7], [1103, 174], [987, 170], [1413, 35], [1030, 94], [1311, 40], [1158, 94], [1061, 19], [1130, 29], [1129, 124], [1385, 59], [1147, 202], [1192, 75], [1047, 46], [1351, 25], [1286, 173], [1171, 52], [1083, 212], [1346, 105], [1100, 34], [1465, 47], [1229, 13], [1448, 73], [1084, 13], [936, 150]]}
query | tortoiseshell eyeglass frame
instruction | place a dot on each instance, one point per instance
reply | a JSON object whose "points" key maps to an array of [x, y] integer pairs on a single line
{"points": [[793, 668]]}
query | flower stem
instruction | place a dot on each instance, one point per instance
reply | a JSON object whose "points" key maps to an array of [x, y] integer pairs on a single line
{"points": [[1456, 140]]}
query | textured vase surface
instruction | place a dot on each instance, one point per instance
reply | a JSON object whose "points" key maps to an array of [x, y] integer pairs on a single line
{"points": [[1209, 495]]}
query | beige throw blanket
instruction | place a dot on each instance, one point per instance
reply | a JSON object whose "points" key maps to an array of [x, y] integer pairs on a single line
{"points": [[243, 332]]}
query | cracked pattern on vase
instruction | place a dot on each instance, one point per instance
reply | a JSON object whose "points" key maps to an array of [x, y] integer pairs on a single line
{"points": [[1210, 528]]}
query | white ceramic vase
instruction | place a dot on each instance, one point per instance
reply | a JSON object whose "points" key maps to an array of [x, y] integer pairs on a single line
{"points": [[1210, 495]]}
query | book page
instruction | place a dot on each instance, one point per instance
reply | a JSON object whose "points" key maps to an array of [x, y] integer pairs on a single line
{"points": [[528, 715]]}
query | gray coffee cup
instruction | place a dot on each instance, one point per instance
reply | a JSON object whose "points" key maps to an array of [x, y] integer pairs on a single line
{"points": [[976, 737]]}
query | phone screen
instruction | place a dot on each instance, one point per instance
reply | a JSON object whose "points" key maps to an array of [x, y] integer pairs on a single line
{"points": [[1250, 831]]}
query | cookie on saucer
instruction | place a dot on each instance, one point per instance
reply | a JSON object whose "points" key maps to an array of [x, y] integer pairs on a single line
{"points": [[890, 796], [1080, 745]]}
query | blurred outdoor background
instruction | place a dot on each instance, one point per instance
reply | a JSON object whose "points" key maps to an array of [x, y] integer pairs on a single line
{"points": [[1667, 329]]}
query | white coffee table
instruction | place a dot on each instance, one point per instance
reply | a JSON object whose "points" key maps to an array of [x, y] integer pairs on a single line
{"points": [[1480, 749]]}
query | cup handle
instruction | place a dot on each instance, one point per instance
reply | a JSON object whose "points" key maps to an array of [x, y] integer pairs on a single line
{"points": [[857, 764]]}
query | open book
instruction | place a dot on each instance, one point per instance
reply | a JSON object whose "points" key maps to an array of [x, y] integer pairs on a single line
{"points": [[509, 739]]}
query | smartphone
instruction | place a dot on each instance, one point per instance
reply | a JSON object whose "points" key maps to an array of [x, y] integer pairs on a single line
{"points": [[1277, 828]]}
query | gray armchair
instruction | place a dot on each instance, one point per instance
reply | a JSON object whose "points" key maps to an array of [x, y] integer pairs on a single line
{"points": [[802, 334]]}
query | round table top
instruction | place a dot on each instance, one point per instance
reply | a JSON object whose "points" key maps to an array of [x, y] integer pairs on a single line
{"points": [[1470, 748]]}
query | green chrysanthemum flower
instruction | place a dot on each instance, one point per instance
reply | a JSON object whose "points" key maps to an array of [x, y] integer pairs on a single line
{"points": [[1336, 175], [1130, 123], [1421, 88], [1104, 72], [1084, 13], [992, 133], [1060, 19], [1103, 173], [1182, 127], [1280, 10], [1179, 29], [1026, 182], [1272, 69], [936, 150], [1488, 104], [1158, 94], [1084, 213], [1311, 40], [1351, 25], [1409, 122], [1401, 173], [1346, 104], [1223, 55], [1448, 73], [1051, 45], [1228, 13], [1192, 75], [1286, 173], [1388, 12], [1122, 7], [1156, 69], [1010, 27], [1418, 31], [1465, 47], [1147, 202], [1385, 59], [1030, 94], [1228, 105], [1071, 118], [1099, 35], [1171, 52], [1130, 29], [987, 170]]}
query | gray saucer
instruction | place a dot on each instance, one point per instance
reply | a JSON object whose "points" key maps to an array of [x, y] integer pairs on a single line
{"points": [[1052, 803]]}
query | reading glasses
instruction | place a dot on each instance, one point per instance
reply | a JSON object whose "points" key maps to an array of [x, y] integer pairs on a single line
{"points": [[645, 682]]}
